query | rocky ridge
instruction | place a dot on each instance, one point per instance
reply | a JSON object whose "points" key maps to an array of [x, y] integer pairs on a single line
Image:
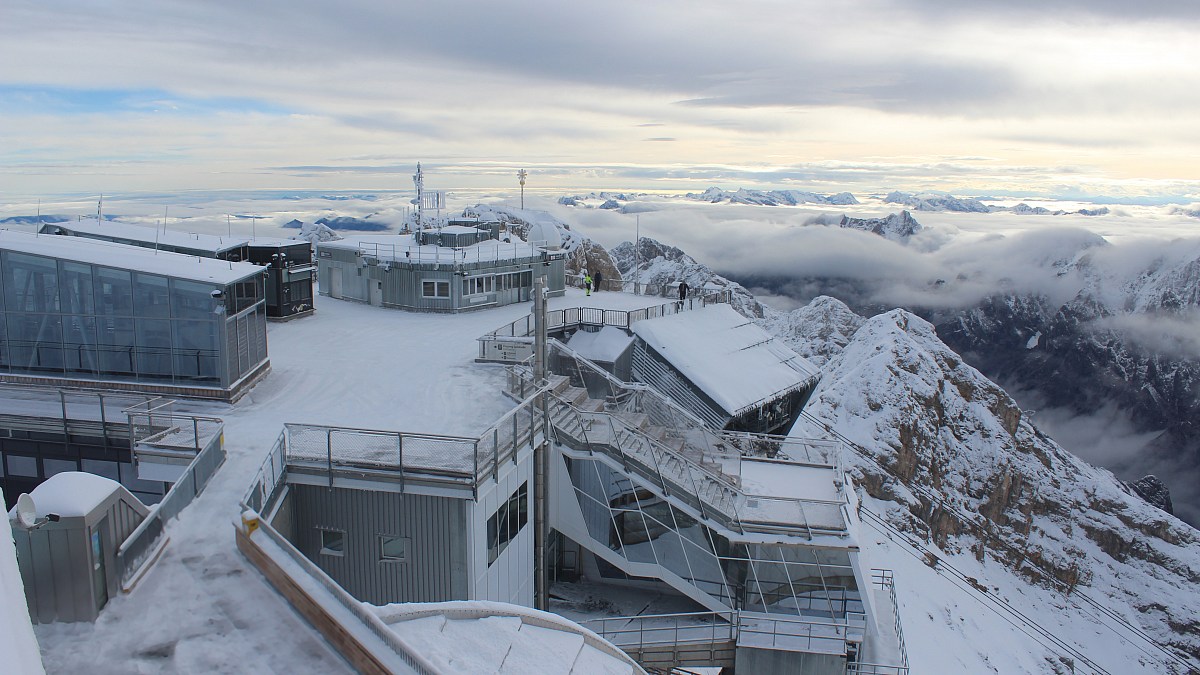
{"points": [[895, 227], [963, 468], [716, 195], [658, 266]]}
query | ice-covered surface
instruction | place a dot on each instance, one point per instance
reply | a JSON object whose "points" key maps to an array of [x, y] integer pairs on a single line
{"points": [[605, 344], [18, 646], [726, 355], [781, 479], [200, 242], [495, 637], [122, 256], [72, 494], [201, 608]]}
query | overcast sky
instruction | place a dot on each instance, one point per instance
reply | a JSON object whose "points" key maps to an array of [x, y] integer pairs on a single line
{"points": [[1094, 97]]}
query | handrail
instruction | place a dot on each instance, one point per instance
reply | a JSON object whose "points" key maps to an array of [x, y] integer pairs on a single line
{"points": [[556, 318]]}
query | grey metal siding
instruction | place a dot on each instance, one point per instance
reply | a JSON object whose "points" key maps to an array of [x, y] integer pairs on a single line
{"points": [[650, 368], [435, 567]]}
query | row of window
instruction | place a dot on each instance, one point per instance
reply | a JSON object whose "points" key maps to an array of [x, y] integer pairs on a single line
{"points": [[391, 548], [489, 283], [35, 283], [507, 521]]}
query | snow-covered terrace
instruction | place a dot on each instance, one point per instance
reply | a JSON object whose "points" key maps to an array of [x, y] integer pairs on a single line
{"points": [[202, 607]]}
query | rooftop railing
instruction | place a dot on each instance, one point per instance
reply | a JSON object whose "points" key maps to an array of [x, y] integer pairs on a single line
{"points": [[404, 455], [486, 251], [572, 317]]}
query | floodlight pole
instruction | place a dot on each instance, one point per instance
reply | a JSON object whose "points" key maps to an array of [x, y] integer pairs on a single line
{"points": [[541, 455]]}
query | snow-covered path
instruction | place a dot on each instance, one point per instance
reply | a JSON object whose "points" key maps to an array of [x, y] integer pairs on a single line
{"points": [[202, 608]]}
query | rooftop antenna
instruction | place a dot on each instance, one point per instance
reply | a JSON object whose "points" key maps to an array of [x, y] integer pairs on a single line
{"points": [[100, 210], [228, 227], [521, 175], [164, 222], [419, 179], [39, 227]]}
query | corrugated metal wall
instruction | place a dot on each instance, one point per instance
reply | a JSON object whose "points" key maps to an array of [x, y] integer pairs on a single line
{"points": [[650, 368], [435, 567]]}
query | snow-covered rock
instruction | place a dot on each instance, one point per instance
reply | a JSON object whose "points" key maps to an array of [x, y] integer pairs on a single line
{"points": [[1154, 491], [965, 470], [896, 226], [816, 331], [314, 232], [930, 201], [771, 197], [659, 267]]}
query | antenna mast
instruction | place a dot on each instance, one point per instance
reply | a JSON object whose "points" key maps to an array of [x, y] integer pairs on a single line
{"points": [[521, 175], [419, 179]]}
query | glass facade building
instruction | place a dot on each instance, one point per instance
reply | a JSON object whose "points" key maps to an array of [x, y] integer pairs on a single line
{"points": [[785, 578], [80, 309]]}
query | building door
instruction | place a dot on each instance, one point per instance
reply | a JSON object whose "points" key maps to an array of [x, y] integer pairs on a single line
{"points": [[335, 282], [377, 292], [99, 574]]}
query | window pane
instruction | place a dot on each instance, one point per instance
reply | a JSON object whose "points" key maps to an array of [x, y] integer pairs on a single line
{"points": [[191, 300], [114, 292], [151, 297], [333, 542], [393, 548], [30, 283], [76, 284]]}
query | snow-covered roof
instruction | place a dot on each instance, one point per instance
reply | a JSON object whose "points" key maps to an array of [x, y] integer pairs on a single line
{"points": [[497, 637], [18, 644], [732, 360], [200, 242], [123, 256], [459, 229], [402, 248], [71, 493], [603, 345]]}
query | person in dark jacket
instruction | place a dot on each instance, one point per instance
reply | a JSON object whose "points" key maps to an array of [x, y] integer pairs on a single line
{"points": [[596, 279], [683, 291]]}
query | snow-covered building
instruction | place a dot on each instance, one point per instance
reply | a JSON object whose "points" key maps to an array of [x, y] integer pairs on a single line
{"points": [[290, 268], [85, 312], [455, 268], [723, 368], [69, 563]]}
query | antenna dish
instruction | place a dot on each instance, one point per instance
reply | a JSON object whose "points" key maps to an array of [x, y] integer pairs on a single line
{"points": [[26, 512]]}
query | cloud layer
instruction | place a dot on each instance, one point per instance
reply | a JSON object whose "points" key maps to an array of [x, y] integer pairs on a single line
{"points": [[173, 95]]}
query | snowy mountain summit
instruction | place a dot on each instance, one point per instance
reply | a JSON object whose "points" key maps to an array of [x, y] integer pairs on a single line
{"points": [[934, 201], [896, 226], [950, 458], [716, 195]]}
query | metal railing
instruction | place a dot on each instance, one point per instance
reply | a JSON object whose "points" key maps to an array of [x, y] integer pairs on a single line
{"points": [[263, 489], [463, 459], [133, 553], [488, 250], [658, 630], [885, 580], [572, 317]]}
